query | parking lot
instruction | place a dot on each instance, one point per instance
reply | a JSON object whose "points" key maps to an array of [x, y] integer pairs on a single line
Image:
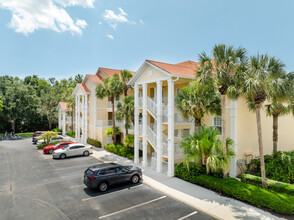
{"points": [[34, 186]]}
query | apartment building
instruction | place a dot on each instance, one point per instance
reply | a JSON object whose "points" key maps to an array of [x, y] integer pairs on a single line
{"points": [[94, 115], [159, 127]]}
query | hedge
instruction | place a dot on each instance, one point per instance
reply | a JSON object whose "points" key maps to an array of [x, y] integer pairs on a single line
{"points": [[41, 146], [57, 130], [121, 150], [71, 134], [271, 184], [279, 202], [94, 142]]}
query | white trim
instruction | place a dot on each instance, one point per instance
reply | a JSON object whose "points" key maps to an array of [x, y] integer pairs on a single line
{"points": [[153, 80]]}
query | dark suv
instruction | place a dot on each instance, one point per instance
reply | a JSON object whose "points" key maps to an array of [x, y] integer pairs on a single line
{"points": [[103, 175]]}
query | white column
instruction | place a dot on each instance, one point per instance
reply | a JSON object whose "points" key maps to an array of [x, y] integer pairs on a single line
{"points": [[171, 116], [159, 127], [76, 117], [86, 117], [136, 128], [95, 115], [59, 119], [83, 120], [233, 135], [145, 163], [79, 118], [63, 123]]}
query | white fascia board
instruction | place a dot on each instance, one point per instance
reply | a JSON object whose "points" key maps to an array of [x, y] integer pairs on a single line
{"points": [[134, 78]]}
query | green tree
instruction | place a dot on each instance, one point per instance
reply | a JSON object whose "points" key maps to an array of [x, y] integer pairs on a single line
{"points": [[225, 62], [125, 111], [125, 78], [47, 136], [129, 140], [205, 148], [1, 104], [279, 101], [198, 99], [256, 88], [111, 88]]}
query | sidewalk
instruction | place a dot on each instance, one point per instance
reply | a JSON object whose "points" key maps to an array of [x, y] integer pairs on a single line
{"points": [[198, 197]]}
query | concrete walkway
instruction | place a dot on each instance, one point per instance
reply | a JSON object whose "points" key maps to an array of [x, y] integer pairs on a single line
{"points": [[198, 197]]}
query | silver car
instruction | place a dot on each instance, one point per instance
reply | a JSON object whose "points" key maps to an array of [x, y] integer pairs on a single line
{"points": [[72, 150]]}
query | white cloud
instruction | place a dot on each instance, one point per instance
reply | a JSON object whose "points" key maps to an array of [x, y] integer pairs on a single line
{"points": [[31, 15], [141, 21], [110, 36], [114, 19]]}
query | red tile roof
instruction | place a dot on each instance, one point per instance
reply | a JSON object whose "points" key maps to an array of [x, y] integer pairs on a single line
{"points": [[111, 72], [63, 106], [83, 87], [186, 68], [94, 78]]}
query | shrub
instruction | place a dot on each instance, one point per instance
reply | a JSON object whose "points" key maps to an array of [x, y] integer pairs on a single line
{"points": [[71, 134], [278, 202], [271, 184], [122, 150], [189, 175], [57, 130], [93, 142], [129, 140], [279, 166]]}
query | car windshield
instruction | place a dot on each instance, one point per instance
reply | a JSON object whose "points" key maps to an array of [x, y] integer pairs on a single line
{"points": [[56, 145]]}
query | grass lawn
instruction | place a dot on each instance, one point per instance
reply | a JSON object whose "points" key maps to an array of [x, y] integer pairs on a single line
{"points": [[26, 134]]}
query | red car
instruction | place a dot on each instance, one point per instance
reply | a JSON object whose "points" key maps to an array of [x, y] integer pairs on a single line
{"points": [[50, 148]]}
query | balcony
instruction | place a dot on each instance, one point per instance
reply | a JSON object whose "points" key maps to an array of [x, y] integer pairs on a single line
{"points": [[103, 123]]}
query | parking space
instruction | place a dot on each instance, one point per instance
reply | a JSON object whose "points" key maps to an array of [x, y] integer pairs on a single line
{"points": [[55, 189]]}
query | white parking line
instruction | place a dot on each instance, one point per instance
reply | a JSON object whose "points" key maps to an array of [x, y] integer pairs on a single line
{"points": [[184, 217], [134, 187], [76, 186], [123, 210], [64, 168]]}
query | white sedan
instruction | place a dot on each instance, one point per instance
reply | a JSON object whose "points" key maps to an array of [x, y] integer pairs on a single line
{"points": [[54, 139], [72, 150]]}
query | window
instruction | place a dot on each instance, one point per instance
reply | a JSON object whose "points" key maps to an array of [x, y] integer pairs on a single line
{"points": [[217, 122], [121, 170]]}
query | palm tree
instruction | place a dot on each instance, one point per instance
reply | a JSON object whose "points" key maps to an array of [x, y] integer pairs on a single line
{"points": [[125, 111], [279, 99], [198, 99], [257, 87], [125, 78], [225, 62], [204, 148], [111, 88]]}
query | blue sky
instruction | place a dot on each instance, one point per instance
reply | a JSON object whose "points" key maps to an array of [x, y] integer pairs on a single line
{"points": [[78, 36]]}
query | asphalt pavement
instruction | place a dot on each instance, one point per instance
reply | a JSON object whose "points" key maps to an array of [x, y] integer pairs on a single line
{"points": [[35, 186]]}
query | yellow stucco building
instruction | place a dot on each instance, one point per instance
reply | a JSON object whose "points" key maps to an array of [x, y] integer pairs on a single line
{"points": [[159, 127]]}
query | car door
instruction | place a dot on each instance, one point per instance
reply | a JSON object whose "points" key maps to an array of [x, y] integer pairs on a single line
{"points": [[71, 151], [110, 175], [122, 175]]}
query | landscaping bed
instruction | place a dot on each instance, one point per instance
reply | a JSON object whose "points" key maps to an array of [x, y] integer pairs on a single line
{"points": [[94, 142], [278, 202], [121, 150]]}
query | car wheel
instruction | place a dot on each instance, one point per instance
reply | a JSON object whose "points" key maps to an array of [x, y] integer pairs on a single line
{"points": [[103, 187], [62, 156], [135, 179], [50, 151], [86, 153]]}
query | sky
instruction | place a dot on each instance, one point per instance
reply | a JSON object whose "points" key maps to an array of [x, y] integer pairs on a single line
{"points": [[62, 38]]}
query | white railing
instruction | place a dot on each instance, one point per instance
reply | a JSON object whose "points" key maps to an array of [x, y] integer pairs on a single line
{"points": [[164, 137], [151, 136], [164, 116], [140, 101], [180, 119], [164, 149], [115, 104], [103, 123], [151, 105], [178, 151], [140, 130], [153, 126]]}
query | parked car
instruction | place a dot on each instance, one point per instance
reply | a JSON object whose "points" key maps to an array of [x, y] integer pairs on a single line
{"points": [[50, 148], [72, 150], [103, 175], [54, 139], [36, 136]]}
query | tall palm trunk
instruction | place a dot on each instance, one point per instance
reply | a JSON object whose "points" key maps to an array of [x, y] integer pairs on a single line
{"points": [[197, 124], [113, 122], [260, 144], [275, 133]]}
